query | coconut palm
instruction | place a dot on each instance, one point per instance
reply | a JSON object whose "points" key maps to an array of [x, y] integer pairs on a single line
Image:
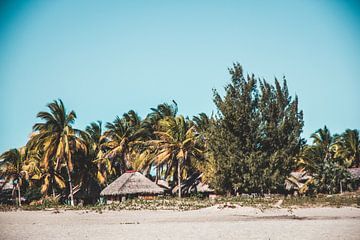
{"points": [[58, 140], [12, 168], [94, 139], [122, 136], [347, 147], [89, 169], [144, 160], [163, 110], [38, 175], [202, 122], [312, 156], [323, 140], [323, 160], [176, 145]]}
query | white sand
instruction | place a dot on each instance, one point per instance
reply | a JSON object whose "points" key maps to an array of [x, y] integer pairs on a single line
{"points": [[209, 223]]}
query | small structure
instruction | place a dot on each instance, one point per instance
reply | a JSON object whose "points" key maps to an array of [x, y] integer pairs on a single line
{"points": [[129, 185], [6, 191], [355, 176], [297, 182], [194, 185], [355, 173], [86, 195], [163, 184]]}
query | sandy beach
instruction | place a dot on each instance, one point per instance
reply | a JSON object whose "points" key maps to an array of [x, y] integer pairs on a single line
{"points": [[207, 223]]}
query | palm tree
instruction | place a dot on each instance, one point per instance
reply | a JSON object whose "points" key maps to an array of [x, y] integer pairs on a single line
{"points": [[94, 140], [324, 160], [122, 135], [323, 140], [347, 147], [176, 144], [163, 110], [12, 168], [151, 122], [207, 165], [312, 156], [58, 140], [202, 122]]}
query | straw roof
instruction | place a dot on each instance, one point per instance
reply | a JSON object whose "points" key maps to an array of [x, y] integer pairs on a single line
{"points": [[5, 185], [204, 188], [163, 184], [193, 184], [131, 183], [355, 172]]}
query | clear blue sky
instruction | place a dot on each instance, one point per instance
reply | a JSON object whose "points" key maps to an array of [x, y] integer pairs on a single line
{"points": [[106, 57]]}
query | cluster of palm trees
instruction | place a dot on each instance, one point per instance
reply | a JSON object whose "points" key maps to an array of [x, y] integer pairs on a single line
{"points": [[329, 157], [59, 158], [344, 148]]}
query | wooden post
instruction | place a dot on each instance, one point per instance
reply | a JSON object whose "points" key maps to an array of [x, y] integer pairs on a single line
{"points": [[341, 190], [179, 178]]}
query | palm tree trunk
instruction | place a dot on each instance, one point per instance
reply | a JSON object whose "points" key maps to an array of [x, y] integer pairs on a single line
{"points": [[19, 194], [70, 186], [157, 175], [52, 187], [179, 178]]}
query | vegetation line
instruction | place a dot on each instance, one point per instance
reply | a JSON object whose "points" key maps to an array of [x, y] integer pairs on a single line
{"points": [[252, 145]]}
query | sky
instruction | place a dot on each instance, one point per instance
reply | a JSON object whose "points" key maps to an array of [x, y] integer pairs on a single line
{"points": [[103, 58]]}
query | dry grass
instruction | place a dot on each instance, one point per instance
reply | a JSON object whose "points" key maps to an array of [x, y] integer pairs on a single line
{"points": [[193, 203]]}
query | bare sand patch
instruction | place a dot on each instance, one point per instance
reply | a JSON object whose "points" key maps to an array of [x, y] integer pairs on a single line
{"points": [[208, 223]]}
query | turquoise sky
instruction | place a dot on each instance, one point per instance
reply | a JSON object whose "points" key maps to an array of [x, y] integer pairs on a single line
{"points": [[106, 57]]}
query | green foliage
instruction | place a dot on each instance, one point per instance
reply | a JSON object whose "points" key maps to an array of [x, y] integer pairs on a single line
{"points": [[250, 146], [347, 147], [256, 136], [33, 194], [330, 177], [328, 158]]}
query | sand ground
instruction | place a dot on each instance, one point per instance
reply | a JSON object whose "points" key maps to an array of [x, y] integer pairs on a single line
{"points": [[209, 223]]}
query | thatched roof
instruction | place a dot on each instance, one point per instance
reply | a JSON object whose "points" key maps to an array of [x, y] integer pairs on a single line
{"points": [[355, 172], [163, 184], [204, 188], [131, 183], [193, 184], [5, 185]]}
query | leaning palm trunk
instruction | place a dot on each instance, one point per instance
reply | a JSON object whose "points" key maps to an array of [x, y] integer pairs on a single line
{"points": [[157, 174], [70, 186], [179, 179], [53, 187]]}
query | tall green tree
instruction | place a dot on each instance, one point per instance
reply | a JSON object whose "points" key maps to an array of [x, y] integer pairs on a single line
{"points": [[256, 135], [281, 124]]}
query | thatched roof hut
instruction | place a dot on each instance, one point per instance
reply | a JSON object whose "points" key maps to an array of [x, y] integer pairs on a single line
{"points": [[132, 183], [355, 173], [297, 181], [6, 185], [163, 184], [193, 184]]}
